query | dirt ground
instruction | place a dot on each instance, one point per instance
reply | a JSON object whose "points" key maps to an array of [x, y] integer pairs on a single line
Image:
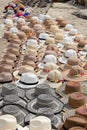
{"points": [[58, 9]]}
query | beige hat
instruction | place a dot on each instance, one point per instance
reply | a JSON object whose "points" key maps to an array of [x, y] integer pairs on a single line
{"points": [[73, 32], [21, 70], [9, 122], [54, 78], [40, 122], [50, 40], [59, 37], [47, 68], [53, 28], [79, 38]]}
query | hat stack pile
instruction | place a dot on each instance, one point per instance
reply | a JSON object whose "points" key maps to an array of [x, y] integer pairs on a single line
{"points": [[43, 72]]}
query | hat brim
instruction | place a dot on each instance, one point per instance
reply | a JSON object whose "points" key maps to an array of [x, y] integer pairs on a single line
{"points": [[16, 75], [23, 86], [63, 60], [42, 74], [60, 127], [77, 78], [82, 53], [58, 106], [52, 84], [64, 67]]}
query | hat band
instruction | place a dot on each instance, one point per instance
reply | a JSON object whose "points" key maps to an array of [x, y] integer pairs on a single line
{"points": [[55, 81], [46, 71], [28, 83]]}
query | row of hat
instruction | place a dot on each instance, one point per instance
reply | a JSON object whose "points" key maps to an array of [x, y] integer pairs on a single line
{"points": [[47, 52]]}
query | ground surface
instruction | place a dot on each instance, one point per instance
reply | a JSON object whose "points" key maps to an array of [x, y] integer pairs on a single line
{"points": [[63, 9]]}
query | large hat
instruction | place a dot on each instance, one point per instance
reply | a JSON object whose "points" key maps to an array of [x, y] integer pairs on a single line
{"points": [[40, 89], [76, 73], [28, 80], [54, 78], [45, 100], [23, 69], [11, 88], [32, 41], [9, 122], [40, 122], [47, 68], [67, 54]]}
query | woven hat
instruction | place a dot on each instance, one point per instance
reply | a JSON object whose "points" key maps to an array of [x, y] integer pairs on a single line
{"points": [[68, 53], [49, 52], [13, 30], [54, 78], [55, 120], [47, 68], [40, 89], [53, 28], [76, 73], [50, 40], [40, 122], [68, 27], [73, 32], [9, 122], [10, 56], [23, 69], [6, 68], [59, 37], [43, 36], [45, 100], [11, 88], [79, 38], [32, 41], [5, 77], [28, 80], [81, 44]]}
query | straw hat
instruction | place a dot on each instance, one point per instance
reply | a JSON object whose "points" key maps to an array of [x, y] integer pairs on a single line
{"points": [[13, 30], [68, 27], [50, 58], [84, 51], [5, 77], [40, 122], [59, 37], [32, 42], [54, 78], [79, 38], [73, 32], [23, 69], [9, 123], [53, 28], [50, 40], [43, 36], [81, 44], [67, 54], [84, 58], [28, 80], [76, 73], [47, 68]]}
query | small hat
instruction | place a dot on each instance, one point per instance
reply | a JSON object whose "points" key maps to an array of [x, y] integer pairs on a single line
{"points": [[59, 37], [47, 68], [43, 36], [45, 100], [10, 56], [84, 51], [79, 38], [32, 41], [29, 62], [81, 44], [6, 68], [23, 69], [50, 40], [67, 54], [76, 73], [28, 80], [49, 52], [40, 89], [9, 122], [54, 78], [13, 30], [40, 122], [68, 27], [54, 28], [73, 32], [7, 61]]}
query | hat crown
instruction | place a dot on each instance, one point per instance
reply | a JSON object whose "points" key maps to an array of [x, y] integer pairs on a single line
{"points": [[68, 27], [50, 66], [43, 35], [8, 122], [50, 40], [50, 58], [73, 31], [73, 61], [13, 30], [29, 78], [32, 41], [70, 53], [40, 122], [25, 69], [55, 75]]}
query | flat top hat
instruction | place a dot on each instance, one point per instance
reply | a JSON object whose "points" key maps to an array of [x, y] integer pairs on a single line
{"points": [[9, 122], [28, 80], [45, 100]]}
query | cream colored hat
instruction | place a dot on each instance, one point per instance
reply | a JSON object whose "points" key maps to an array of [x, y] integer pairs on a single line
{"points": [[59, 37], [54, 78], [50, 40], [79, 38], [73, 32], [68, 27], [23, 69], [47, 68], [50, 58], [13, 30], [53, 28], [40, 123], [9, 122]]}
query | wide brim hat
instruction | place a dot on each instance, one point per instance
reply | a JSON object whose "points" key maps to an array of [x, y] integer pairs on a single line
{"points": [[55, 121], [53, 84], [30, 94], [33, 107], [66, 76], [27, 86], [20, 117], [63, 59]]}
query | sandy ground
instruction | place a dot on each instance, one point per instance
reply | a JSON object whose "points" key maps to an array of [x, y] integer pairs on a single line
{"points": [[63, 9]]}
